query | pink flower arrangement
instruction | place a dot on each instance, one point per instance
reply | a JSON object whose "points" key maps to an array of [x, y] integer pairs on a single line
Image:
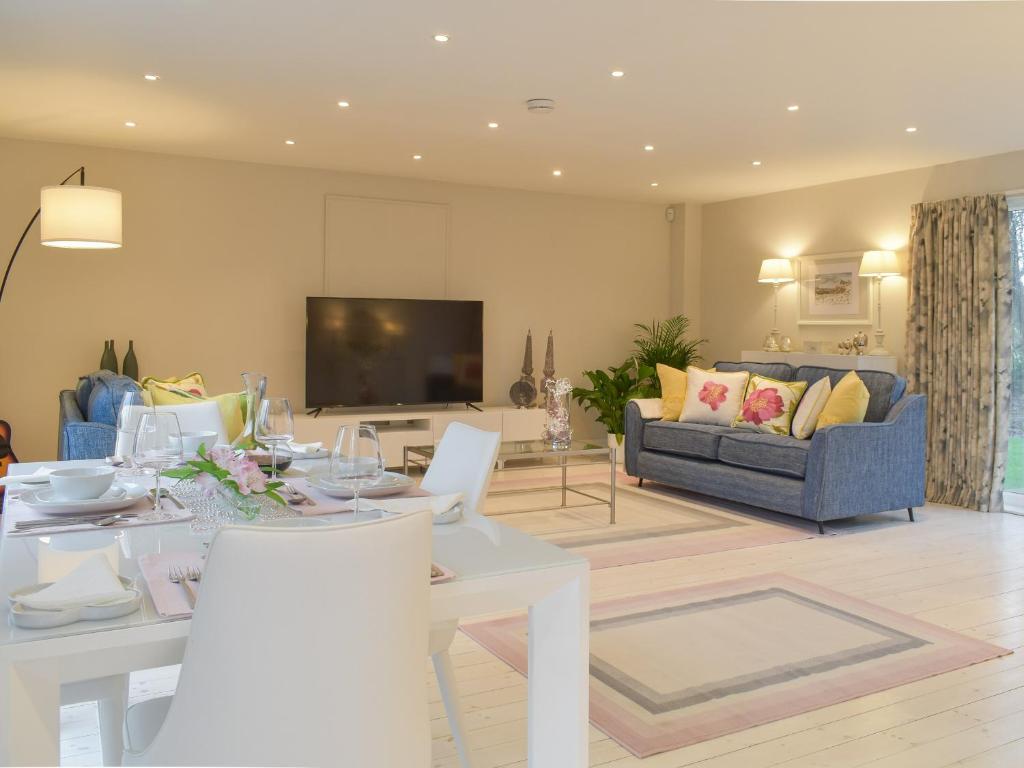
{"points": [[763, 405], [229, 468], [713, 394]]}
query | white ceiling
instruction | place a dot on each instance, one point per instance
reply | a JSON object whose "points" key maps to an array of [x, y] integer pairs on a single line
{"points": [[706, 82]]}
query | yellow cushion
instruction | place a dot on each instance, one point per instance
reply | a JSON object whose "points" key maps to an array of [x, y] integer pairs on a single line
{"points": [[673, 391], [769, 405], [231, 405], [847, 404], [192, 384]]}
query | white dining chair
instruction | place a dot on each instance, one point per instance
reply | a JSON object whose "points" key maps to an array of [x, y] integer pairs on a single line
{"points": [[463, 463], [192, 417], [306, 649]]}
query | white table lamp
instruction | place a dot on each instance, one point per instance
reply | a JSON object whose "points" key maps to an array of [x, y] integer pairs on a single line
{"points": [[776, 272], [879, 265]]}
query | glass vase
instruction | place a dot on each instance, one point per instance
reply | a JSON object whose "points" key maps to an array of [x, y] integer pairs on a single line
{"points": [[237, 504], [557, 431]]}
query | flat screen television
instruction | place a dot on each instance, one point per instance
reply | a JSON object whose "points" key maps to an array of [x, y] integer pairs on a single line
{"points": [[376, 352]]}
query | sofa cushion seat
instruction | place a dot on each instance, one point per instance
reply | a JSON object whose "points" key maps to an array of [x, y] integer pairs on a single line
{"points": [[776, 454], [700, 440]]}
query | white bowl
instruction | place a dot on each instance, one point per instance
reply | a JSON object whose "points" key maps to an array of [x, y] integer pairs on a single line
{"points": [[81, 482], [190, 441]]}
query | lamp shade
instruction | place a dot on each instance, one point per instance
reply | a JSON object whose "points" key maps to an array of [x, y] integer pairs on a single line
{"points": [[80, 217], [776, 271], [879, 264]]}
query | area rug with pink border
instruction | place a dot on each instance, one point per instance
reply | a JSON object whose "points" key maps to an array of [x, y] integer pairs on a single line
{"points": [[677, 667]]}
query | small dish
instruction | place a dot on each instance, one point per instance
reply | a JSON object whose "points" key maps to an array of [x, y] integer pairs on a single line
{"points": [[81, 483], [30, 618], [390, 484], [120, 496]]}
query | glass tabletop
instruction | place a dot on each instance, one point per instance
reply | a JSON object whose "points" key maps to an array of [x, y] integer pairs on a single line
{"points": [[531, 449], [473, 548]]}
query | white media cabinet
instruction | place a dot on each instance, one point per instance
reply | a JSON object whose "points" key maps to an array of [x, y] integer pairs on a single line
{"points": [[399, 428]]}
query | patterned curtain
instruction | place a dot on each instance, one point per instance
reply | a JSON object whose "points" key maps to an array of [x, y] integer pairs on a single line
{"points": [[959, 345]]}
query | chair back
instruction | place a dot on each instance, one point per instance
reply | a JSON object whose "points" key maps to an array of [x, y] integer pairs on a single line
{"points": [[463, 463], [306, 649], [192, 417]]}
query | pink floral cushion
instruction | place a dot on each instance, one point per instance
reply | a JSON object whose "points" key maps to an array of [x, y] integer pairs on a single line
{"points": [[768, 405], [713, 397]]}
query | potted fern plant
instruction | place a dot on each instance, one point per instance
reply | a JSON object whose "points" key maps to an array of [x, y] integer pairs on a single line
{"points": [[665, 342]]}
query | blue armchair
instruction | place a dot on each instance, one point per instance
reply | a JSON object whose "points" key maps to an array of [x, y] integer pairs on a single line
{"points": [[88, 416]]}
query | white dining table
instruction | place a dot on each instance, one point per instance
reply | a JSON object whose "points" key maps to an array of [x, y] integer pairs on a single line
{"points": [[497, 570]]}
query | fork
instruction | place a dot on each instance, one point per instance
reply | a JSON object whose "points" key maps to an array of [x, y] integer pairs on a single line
{"points": [[178, 576], [301, 497]]}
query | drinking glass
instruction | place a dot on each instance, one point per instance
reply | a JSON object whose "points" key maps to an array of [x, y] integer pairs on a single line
{"points": [[128, 413], [355, 461], [157, 445], [275, 425]]}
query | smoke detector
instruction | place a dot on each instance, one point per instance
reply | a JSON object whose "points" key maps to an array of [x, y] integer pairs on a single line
{"points": [[540, 106]]}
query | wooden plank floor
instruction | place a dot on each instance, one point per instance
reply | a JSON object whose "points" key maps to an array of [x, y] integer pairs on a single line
{"points": [[959, 569]]}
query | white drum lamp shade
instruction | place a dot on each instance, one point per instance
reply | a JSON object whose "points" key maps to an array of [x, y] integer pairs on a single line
{"points": [[776, 271], [879, 264], [73, 216]]}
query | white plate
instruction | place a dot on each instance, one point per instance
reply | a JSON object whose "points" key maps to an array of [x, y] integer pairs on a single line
{"points": [[31, 618], [119, 496], [389, 485]]}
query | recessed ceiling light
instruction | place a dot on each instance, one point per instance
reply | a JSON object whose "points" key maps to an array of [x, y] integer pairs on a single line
{"points": [[793, 108], [556, 172], [129, 124], [417, 157], [343, 104], [152, 77], [911, 129], [492, 125], [617, 73], [654, 183], [648, 147], [441, 38], [755, 162], [289, 142]]}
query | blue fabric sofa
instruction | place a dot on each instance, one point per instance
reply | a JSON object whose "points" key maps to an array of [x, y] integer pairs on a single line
{"points": [[88, 415], [842, 471]]}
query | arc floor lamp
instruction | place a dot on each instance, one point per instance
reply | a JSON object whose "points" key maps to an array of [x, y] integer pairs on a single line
{"points": [[74, 216]]}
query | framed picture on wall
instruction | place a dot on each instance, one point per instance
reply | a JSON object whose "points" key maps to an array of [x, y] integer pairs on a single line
{"points": [[832, 292]]}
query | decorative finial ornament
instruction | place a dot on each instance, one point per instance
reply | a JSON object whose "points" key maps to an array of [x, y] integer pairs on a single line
{"points": [[523, 393], [549, 365]]}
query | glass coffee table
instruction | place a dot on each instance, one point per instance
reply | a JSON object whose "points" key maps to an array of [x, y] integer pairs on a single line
{"points": [[524, 455]]}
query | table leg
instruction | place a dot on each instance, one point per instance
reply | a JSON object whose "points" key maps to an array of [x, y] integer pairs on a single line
{"points": [[611, 496], [405, 460], [559, 681], [29, 713], [564, 477]]}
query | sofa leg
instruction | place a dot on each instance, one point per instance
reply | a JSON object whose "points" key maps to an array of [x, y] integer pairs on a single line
{"points": [[910, 513], [640, 483], [821, 528]]}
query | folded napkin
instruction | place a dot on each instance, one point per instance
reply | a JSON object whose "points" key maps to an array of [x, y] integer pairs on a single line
{"points": [[445, 509], [301, 449], [40, 474], [169, 599], [91, 583]]}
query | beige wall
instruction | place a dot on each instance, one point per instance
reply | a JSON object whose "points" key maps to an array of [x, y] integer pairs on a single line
{"points": [[219, 257], [856, 215]]}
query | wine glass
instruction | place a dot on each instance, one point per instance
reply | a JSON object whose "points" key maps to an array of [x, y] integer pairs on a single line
{"points": [[128, 413], [157, 445], [355, 461], [275, 425]]}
